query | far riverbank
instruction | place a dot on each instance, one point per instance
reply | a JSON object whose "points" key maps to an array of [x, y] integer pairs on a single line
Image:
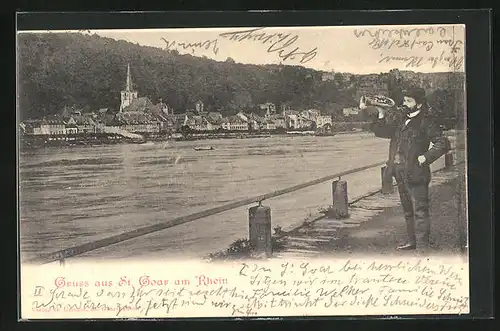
{"points": [[97, 139]]}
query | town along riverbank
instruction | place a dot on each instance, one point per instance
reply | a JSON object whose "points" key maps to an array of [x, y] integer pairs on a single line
{"points": [[79, 139], [95, 139]]}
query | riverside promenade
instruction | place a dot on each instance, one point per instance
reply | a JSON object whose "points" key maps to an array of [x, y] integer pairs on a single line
{"points": [[376, 225], [302, 236]]}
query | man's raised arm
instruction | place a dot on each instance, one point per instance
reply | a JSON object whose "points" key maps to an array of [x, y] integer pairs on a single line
{"points": [[384, 126]]}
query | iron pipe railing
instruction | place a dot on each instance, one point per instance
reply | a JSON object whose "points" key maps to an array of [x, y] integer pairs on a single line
{"points": [[111, 240]]}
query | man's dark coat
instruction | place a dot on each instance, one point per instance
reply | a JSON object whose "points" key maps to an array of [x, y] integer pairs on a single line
{"points": [[418, 134]]}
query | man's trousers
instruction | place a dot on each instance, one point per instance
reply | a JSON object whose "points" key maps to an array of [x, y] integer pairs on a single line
{"points": [[415, 201]]}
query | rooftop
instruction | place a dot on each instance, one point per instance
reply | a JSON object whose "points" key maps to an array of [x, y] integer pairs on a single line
{"points": [[134, 117], [139, 104]]}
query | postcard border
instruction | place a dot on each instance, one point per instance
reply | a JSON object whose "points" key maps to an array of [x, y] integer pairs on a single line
{"points": [[479, 98]]}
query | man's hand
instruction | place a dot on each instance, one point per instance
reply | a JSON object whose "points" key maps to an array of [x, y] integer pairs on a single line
{"points": [[421, 159], [381, 112], [362, 103]]}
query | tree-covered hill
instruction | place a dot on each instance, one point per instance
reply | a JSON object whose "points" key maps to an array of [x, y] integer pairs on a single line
{"points": [[89, 71]]}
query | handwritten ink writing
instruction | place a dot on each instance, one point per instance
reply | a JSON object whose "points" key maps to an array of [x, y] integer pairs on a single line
{"points": [[378, 266], [401, 33], [383, 278], [349, 266], [253, 289], [371, 301], [164, 304], [427, 291], [377, 43], [393, 300], [307, 269], [206, 44], [258, 279], [446, 295], [286, 267], [409, 61], [388, 289], [415, 47], [426, 280], [420, 268], [447, 271], [280, 43], [454, 44]]}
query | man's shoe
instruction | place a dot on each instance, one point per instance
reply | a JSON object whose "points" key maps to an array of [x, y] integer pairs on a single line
{"points": [[407, 247]]}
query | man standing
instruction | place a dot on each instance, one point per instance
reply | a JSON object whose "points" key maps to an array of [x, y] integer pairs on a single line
{"points": [[411, 133]]}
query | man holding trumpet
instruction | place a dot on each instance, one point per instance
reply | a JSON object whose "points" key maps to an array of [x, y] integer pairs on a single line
{"points": [[411, 130]]}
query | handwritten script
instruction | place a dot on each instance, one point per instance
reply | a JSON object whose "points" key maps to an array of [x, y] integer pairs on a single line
{"points": [[284, 45], [261, 289], [192, 46], [415, 47]]}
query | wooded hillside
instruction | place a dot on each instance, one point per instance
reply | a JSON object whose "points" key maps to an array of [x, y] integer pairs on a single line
{"points": [[89, 71]]}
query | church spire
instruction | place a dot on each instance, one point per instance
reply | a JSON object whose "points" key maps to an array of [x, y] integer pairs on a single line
{"points": [[128, 95], [129, 79]]}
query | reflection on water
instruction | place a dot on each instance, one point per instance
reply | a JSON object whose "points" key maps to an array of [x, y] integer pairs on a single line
{"points": [[70, 196]]}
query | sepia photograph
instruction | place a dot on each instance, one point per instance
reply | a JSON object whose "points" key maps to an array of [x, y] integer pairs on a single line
{"points": [[247, 171]]}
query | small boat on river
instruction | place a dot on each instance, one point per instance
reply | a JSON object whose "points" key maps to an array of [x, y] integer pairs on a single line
{"points": [[147, 143], [204, 148]]}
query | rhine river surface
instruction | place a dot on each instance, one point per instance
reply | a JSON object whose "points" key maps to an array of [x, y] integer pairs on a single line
{"points": [[70, 196]]}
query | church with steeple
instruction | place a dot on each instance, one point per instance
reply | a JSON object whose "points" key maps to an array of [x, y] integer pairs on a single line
{"points": [[128, 95], [140, 115]]}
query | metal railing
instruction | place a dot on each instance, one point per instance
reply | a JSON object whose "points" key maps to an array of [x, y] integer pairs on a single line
{"points": [[111, 240]]}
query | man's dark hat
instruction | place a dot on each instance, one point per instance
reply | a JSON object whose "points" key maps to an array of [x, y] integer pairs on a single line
{"points": [[416, 93]]}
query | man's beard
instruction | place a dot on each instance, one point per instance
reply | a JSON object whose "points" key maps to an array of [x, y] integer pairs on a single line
{"points": [[408, 110]]}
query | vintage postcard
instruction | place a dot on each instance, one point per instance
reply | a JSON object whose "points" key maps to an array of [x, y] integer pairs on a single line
{"points": [[242, 172]]}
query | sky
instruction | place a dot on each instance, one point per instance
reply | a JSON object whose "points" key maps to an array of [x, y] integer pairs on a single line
{"points": [[353, 49]]}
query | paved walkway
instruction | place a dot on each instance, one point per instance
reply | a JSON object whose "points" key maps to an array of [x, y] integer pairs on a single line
{"points": [[376, 225]]}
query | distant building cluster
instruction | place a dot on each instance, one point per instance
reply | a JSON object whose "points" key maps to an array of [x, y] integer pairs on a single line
{"points": [[139, 115]]}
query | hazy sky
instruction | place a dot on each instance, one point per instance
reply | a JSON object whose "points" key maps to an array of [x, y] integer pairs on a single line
{"points": [[322, 48]]}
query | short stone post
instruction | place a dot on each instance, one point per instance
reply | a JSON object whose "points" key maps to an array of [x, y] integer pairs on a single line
{"points": [[340, 208], [448, 160], [259, 219], [387, 186]]}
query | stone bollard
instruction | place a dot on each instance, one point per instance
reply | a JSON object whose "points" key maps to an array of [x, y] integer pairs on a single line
{"points": [[340, 207], [259, 219], [448, 160], [387, 186]]}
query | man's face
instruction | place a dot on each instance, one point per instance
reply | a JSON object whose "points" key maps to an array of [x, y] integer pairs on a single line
{"points": [[410, 103]]}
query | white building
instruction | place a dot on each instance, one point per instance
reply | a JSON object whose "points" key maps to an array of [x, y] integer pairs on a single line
{"points": [[292, 121], [128, 95], [323, 120], [50, 127], [234, 123], [350, 111]]}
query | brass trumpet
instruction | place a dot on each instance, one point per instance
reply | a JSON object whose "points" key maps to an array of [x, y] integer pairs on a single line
{"points": [[376, 101], [370, 105]]}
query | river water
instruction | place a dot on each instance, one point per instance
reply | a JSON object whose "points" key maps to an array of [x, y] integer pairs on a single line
{"points": [[70, 196]]}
